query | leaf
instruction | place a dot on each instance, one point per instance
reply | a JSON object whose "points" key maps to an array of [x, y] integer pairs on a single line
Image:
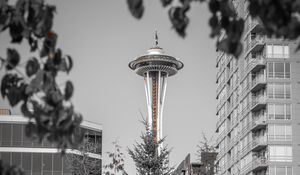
{"points": [[16, 28], [179, 19], [165, 3], [44, 25], [13, 59], [32, 67], [69, 63], [14, 96], [49, 44], [136, 8], [69, 90], [36, 83]]}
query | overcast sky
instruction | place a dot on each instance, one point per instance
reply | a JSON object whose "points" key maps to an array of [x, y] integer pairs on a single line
{"points": [[102, 37]]}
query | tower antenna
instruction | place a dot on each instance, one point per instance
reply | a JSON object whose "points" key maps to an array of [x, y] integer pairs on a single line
{"points": [[156, 38]]}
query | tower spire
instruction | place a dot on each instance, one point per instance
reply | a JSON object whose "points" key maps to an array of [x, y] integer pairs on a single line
{"points": [[156, 39]]}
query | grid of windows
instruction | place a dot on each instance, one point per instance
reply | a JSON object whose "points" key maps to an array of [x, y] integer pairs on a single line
{"points": [[280, 170], [37, 163], [279, 90], [279, 111], [14, 135], [279, 70], [277, 51], [280, 132], [281, 153]]}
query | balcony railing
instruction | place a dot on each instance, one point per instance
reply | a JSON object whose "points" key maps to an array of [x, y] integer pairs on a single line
{"points": [[258, 103], [257, 64], [259, 164], [259, 143], [258, 43], [258, 83], [259, 123]]}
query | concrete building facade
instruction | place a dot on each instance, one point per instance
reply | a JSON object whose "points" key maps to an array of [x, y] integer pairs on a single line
{"points": [[40, 158], [258, 105]]}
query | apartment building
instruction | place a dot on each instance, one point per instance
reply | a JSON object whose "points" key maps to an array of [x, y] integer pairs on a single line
{"points": [[258, 105]]}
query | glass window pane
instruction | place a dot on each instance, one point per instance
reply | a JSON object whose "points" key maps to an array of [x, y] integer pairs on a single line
{"points": [[271, 131], [57, 162], [26, 161], [288, 111], [26, 141], [286, 52], [279, 111], [16, 159], [5, 158], [271, 111], [37, 163], [287, 91], [279, 90], [279, 70], [270, 90], [287, 70], [279, 132], [280, 170], [269, 51], [47, 162], [272, 170], [289, 170], [277, 51], [6, 136], [17, 134], [270, 70]]}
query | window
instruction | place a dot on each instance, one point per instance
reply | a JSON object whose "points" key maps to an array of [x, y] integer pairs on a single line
{"points": [[16, 159], [17, 134], [37, 163], [279, 111], [6, 136], [57, 163], [280, 170], [26, 162], [6, 158], [280, 132], [47, 163], [279, 90], [280, 153], [277, 51], [279, 70]]}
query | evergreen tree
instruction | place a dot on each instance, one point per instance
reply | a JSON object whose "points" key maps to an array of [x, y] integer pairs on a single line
{"points": [[146, 157]]}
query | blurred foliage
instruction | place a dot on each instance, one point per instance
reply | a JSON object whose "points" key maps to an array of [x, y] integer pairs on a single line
{"points": [[34, 82], [117, 161], [10, 170], [81, 163], [146, 158], [280, 18]]}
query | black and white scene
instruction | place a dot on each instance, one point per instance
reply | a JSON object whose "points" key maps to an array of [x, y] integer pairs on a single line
{"points": [[150, 87]]}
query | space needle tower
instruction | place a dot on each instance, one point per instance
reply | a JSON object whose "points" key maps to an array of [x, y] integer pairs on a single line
{"points": [[155, 66]]}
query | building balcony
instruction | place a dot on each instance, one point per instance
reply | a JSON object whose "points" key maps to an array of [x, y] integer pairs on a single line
{"points": [[258, 43], [259, 164], [260, 123], [259, 103], [258, 83], [255, 26], [258, 64], [259, 143]]}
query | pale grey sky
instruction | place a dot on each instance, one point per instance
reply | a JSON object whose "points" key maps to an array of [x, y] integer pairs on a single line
{"points": [[102, 37]]}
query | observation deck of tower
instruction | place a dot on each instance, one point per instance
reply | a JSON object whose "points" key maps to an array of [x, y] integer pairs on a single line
{"points": [[155, 67]]}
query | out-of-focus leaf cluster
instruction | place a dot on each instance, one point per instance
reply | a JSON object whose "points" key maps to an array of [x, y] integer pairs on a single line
{"points": [[10, 170], [280, 18], [43, 101]]}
